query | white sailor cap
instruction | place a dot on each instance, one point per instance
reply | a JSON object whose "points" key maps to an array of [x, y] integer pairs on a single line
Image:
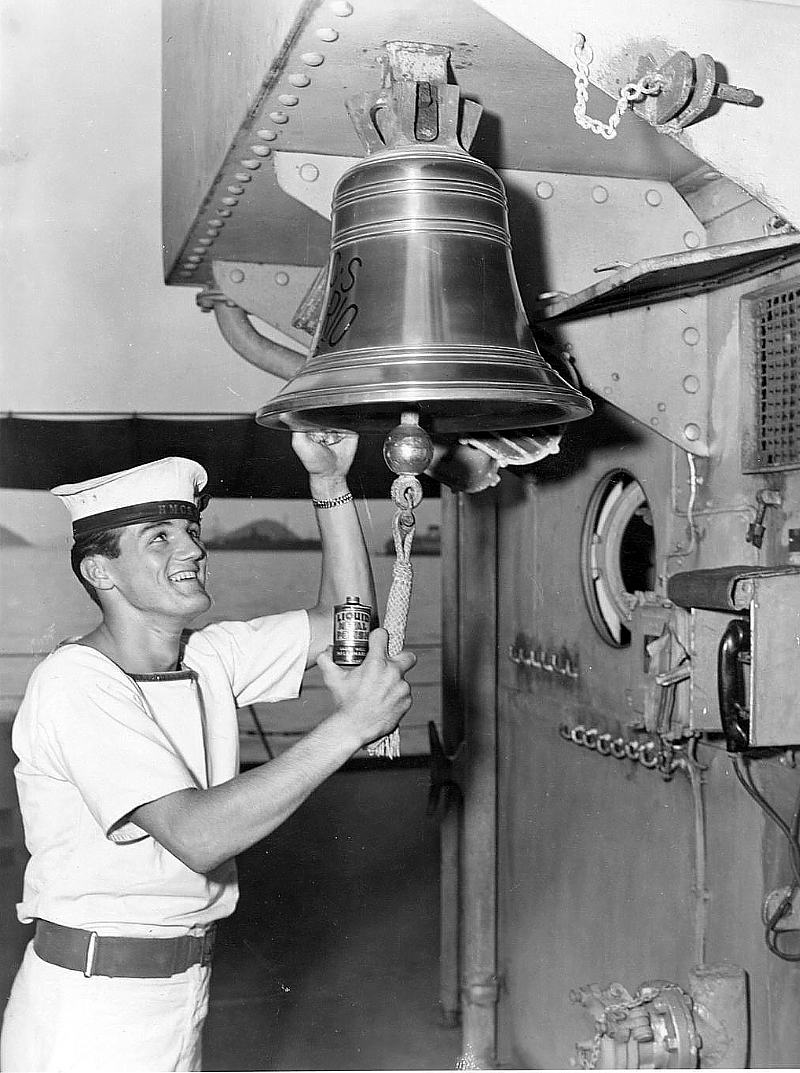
{"points": [[168, 488]]}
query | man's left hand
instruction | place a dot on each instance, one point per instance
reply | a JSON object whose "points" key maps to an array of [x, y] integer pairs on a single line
{"points": [[326, 453]]}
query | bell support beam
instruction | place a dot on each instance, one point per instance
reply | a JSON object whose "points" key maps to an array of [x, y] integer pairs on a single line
{"points": [[749, 39], [217, 58], [246, 80]]}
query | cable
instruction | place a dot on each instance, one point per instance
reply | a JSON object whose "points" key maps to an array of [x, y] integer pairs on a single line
{"points": [[745, 777], [743, 773], [692, 495], [695, 770]]}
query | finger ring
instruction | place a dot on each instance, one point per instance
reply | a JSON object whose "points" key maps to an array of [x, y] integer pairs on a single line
{"points": [[326, 436]]}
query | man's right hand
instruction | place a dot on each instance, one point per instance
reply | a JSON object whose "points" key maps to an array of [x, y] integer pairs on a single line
{"points": [[374, 696]]}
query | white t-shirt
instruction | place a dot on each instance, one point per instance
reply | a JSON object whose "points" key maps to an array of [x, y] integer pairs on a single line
{"points": [[94, 743]]}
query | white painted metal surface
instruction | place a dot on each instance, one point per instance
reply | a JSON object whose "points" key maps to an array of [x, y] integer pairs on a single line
{"points": [[754, 42]]}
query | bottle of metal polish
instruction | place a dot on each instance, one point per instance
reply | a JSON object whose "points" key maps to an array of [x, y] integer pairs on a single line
{"points": [[351, 623]]}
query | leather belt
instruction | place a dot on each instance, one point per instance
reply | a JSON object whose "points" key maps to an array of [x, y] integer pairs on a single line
{"points": [[116, 955]]}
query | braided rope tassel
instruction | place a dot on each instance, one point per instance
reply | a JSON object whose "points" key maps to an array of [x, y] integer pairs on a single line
{"points": [[407, 495]]}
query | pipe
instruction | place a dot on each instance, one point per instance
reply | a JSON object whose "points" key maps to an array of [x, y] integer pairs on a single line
{"points": [[694, 770], [449, 835], [452, 738], [281, 359], [477, 694]]}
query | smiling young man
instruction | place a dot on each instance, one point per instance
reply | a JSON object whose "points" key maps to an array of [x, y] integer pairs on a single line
{"points": [[128, 778]]}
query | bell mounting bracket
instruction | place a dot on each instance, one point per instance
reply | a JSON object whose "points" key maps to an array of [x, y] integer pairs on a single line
{"points": [[415, 104]]}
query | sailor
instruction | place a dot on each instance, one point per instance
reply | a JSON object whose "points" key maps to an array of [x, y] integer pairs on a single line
{"points": [[128, 776]]}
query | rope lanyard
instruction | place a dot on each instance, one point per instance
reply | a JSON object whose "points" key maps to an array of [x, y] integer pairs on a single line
{"points": [[406, 492]]}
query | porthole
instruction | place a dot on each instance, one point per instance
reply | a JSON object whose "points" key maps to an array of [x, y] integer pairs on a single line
{"points": [[618, 554]]}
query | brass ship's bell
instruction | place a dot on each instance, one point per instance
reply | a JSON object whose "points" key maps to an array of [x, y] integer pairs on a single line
{"points": [[422, 311]]}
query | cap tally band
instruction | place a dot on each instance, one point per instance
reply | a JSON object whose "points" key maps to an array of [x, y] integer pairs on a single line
{"points": [[160, 510]]}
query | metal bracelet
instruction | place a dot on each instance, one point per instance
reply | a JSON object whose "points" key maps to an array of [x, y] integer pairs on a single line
{"points": [[326, 504]]}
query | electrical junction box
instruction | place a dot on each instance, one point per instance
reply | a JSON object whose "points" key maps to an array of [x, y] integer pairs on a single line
{"points": [[658, 693], [768, 601]]}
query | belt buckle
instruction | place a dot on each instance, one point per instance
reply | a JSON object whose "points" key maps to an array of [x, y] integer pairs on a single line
{"points": [[208, 945], [91, 954]]}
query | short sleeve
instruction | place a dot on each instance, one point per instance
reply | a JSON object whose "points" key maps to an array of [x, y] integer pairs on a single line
{"points": [[264, 659], [94, 730]]}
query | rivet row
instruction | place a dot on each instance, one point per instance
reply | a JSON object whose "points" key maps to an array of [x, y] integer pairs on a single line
{"points": [[298, 79]]}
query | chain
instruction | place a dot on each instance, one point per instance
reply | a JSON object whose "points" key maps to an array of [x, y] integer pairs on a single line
{"points": [[655, 753], [641, 998], [647, 86]]}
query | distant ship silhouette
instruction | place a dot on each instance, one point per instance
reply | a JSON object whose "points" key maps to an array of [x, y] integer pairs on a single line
{"points": [[264, 535]]}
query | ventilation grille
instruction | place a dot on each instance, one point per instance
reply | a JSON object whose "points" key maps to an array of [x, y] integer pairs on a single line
{"points": [[771, 338]]}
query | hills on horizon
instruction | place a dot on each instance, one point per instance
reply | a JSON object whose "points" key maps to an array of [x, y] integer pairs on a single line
{"points": [[265, 534]]}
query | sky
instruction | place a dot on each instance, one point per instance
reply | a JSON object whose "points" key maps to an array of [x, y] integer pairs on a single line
{"points": [[86, 322]]}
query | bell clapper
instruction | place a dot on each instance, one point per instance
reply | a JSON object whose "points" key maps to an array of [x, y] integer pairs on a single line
{"points": [[408, 452]]}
